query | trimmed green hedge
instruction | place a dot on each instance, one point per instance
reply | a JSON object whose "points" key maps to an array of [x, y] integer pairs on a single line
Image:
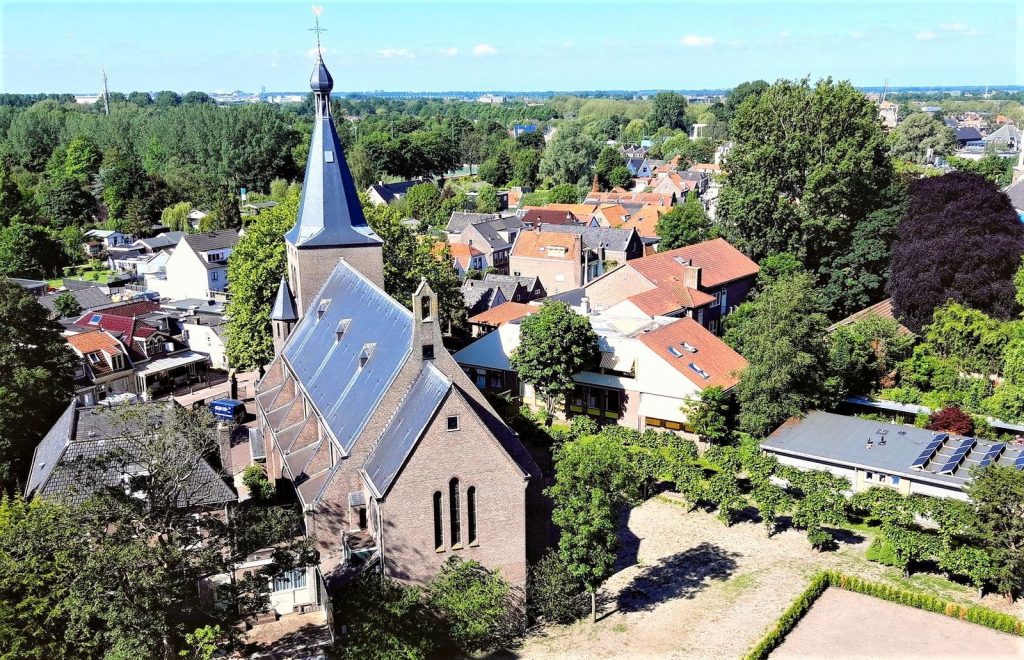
{"points": [[822, 581]]}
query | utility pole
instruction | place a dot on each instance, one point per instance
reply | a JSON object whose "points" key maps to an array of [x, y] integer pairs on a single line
{"points": [[106, 94]]}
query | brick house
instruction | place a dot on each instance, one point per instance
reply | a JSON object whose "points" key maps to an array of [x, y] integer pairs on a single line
{"points": [[705, 281], [397, 459]]}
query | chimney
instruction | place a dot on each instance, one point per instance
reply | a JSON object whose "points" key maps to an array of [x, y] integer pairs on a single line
{"points": [[691, 276]]}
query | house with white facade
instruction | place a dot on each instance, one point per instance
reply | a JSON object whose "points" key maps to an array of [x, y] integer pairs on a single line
{"points": [[197, 267]]}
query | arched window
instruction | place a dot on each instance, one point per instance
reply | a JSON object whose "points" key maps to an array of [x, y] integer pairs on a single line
{"points": [[453, 505], [471, 515], [438, 529]]}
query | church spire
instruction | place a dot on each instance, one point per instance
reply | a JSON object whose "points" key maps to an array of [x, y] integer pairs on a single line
{"points": [[329, 211]]}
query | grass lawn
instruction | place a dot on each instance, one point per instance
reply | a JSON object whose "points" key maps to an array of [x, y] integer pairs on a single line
{"points": [[687, 586], [99, 275]]}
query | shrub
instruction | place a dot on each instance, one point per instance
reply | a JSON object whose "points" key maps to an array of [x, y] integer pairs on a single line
{"points": [[791, 617], [254, 477], [881, 552], [554, 594], [952, 420], [476, 605]]}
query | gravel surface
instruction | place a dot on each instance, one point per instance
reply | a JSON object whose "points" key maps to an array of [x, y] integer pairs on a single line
{"points": [[690, 587], [847, 625]]}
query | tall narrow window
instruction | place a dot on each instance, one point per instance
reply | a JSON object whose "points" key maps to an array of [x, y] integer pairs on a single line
{"points": [[438, 530], [453, 505], [471, 515]]}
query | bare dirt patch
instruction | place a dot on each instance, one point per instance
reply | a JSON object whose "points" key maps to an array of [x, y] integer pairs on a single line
{"points": [[690, 587], [842, 624]]}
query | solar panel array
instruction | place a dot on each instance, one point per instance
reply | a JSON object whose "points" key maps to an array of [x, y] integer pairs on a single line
{"points": [[929, 451], [1019, 463], [953, 462], [992, 454]]}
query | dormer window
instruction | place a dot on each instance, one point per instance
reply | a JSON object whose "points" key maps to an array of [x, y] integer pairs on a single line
{"points": [[322, 307], [94, 358], [366, 354], [342, 328]]}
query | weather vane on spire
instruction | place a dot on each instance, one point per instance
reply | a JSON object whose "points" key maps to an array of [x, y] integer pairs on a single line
{"points": [[316, 28]]}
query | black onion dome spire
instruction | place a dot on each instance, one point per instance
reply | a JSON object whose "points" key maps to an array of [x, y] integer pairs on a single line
{"points": [[321, 80]]}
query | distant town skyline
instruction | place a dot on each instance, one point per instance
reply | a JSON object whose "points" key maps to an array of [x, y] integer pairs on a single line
{"points": [[422, 46]]}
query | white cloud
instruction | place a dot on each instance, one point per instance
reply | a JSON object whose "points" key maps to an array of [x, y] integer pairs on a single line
{"points": [[857, 35], [484, 49], [396, 52], [449, 52], [956, 27], [926, 35], [784, 34], [697, 41]]}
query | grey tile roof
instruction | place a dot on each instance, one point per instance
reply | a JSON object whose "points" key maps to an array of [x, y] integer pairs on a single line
{"points": [[284, 304], [968, 134], [491, 235], [32, 285], [327, 366], [405, 429], [1015, 192], [87, 449], [212, 240], [391, 191], [87, 298], [165, 240], [842, 440], [508, 283], [329, 210], [462, 219], [596, 237], [477, 296]]}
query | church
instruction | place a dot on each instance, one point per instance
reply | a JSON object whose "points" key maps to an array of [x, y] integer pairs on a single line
{"points": [[399, 462]]}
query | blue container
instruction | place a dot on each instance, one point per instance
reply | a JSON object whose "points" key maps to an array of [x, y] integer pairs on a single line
{"points": [[227, 409]]}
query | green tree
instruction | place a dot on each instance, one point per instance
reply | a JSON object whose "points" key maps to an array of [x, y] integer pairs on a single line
{"points": [[555, 344], [568, 156], [175, 217], [620, 177], [865, 351], [64, 201], [741, 92], [590, 476], [29, 251], [607, 160], [684, 225], [564, 193], [383, 618], [35, 385], [919, 135], [554, 593], [487, 199], [66, 305], [668, 110], [781, 333], [998, 495], [709, 415], [255, 268], [12, 203], [806, 171], [423, 202], [476, 605], [525, 166], [35, 133], [823, 504]]}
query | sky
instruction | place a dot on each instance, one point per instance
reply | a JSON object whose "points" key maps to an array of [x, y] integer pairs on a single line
{"points": [[529, 45]]}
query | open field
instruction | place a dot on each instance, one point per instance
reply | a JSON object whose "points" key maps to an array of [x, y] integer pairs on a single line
{"points": [[842, 624], [690, 587]]}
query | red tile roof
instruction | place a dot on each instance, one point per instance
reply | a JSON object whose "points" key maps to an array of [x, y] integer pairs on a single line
{"points": [[668, 299], [880, 309], [91, 342], [533, 244], [645, 221], [128, 309], [719, 262], [503, 313], [713, 356]]}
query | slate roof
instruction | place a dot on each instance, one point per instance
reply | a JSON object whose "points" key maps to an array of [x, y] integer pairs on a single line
{"points": [[162, 241], [596, 237], [477, 295], [1015, 192], [284, 304], [842, 440], [719, 363], [85, 451], [34, 286], [212, 240], [328, 367], [391, 191], [89, 298], [719, 262], [508, 283], [489, 232], [967, 134], [462, 219], [330, 214], [405, 429]]}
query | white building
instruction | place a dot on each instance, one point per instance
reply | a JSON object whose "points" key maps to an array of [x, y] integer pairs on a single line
{"points": [[197, 267]]}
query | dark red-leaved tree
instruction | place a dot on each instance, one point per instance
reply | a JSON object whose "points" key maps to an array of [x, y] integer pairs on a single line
{"points": [[960, 240], [951, 420]]}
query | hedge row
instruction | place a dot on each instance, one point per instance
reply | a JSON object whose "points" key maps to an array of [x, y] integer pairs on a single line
{"points": [[819, 583], [791, 617]]}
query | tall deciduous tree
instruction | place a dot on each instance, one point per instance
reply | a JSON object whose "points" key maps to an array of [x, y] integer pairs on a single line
{"points": [[36, 366], [864, 352], [668, 110], [555, 344], [998, 495], [607, 160], [781, 333], [476, 605], [684, 225], [806, 171], [255, 268], [709, 415], [590, 476], [919, 135], [960, 241], [568, 156]]}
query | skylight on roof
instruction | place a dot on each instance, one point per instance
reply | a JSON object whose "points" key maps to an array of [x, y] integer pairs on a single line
{"points": [[703, 374], [95, 320], [689, 348], [322, 307]]}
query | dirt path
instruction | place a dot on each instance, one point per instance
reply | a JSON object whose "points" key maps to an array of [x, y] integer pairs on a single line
{"points": [[690, 587], [883, 629]]}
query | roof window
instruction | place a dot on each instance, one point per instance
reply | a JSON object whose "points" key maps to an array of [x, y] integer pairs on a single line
{"points": [[700, 372], [322, 307], [342, 328], [366, 354]]}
